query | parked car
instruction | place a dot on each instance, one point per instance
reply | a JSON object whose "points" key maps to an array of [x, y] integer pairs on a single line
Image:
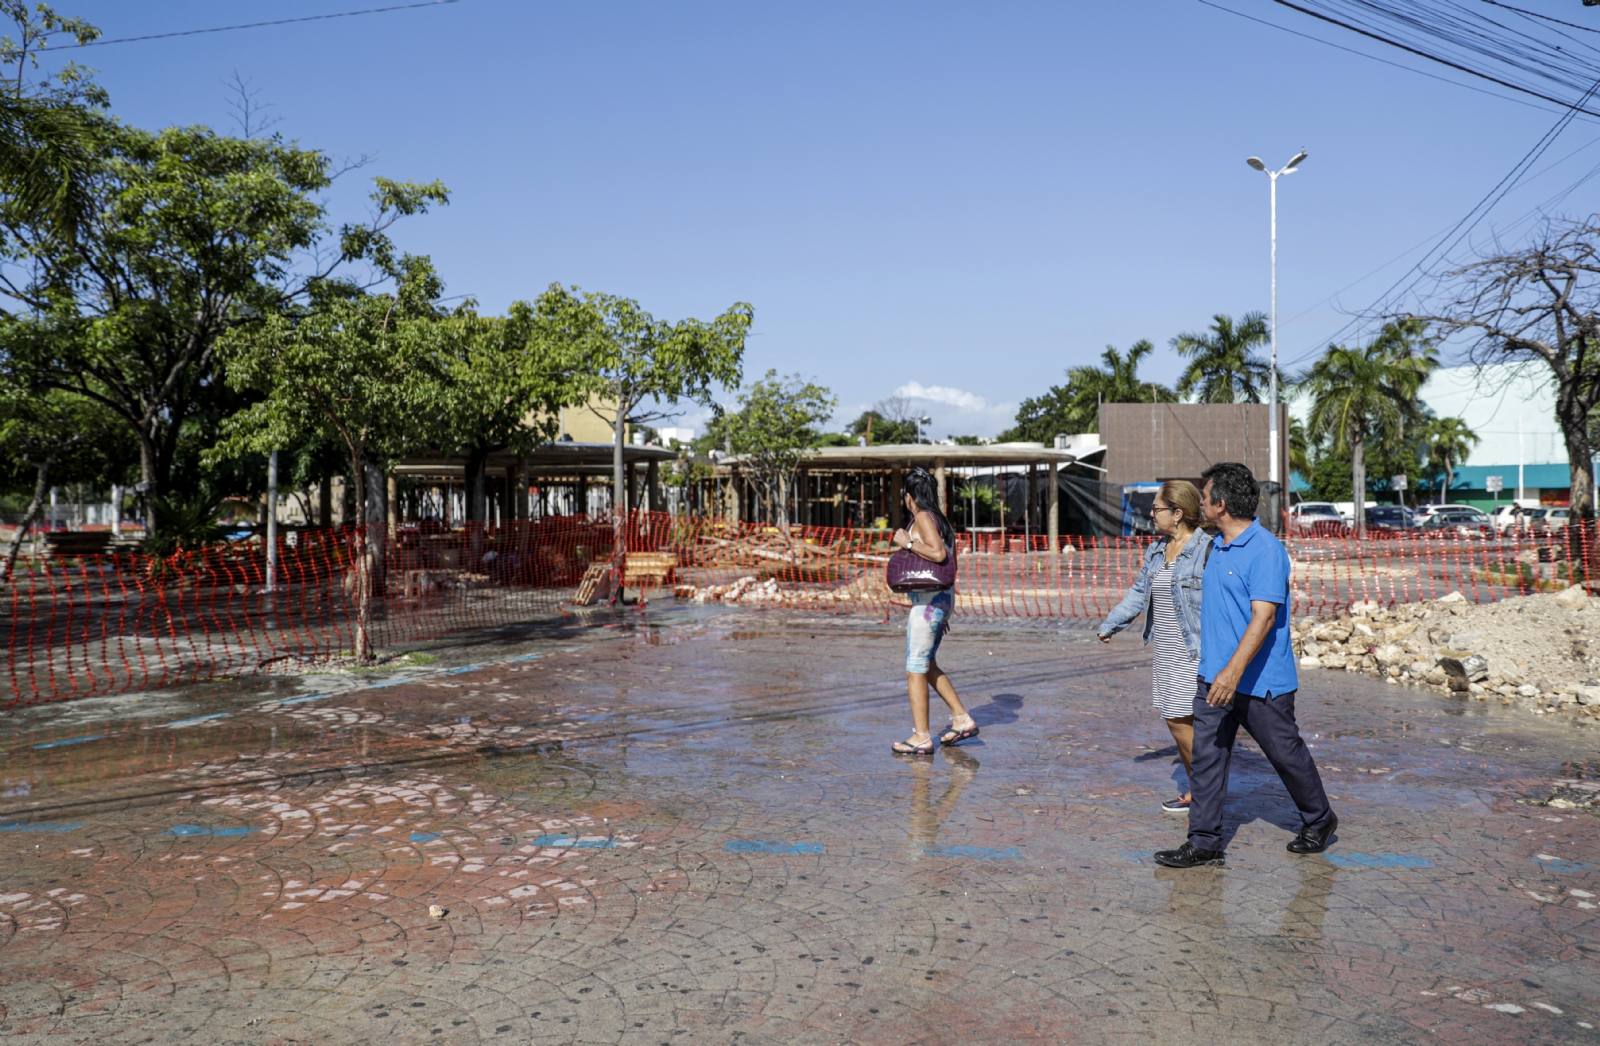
{"points": [[1556, 518], [1506, 517], [1310, 517], [1462, 520], [1391, 517]]}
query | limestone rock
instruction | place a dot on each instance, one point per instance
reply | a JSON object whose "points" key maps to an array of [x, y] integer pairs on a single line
{"points": [[1574, 598], [1310, 661], [1454, 597]]}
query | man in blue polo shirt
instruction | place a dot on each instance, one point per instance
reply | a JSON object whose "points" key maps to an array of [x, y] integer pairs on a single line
{"points": [[1247, 673]]}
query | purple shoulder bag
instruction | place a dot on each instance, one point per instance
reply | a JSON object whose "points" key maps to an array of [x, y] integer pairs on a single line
{"points": [[909, 572]]}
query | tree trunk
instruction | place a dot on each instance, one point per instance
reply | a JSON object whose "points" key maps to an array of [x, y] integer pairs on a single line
{"points": [[40, 486], [377, 517], [361, 568], [1358, 482]]}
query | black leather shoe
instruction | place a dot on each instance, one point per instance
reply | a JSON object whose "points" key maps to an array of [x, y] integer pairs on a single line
{"points": [[1314, 840], [1188, 856]]}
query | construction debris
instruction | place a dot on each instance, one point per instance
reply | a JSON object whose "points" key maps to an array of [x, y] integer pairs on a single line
{"points": [[1528, 650]]}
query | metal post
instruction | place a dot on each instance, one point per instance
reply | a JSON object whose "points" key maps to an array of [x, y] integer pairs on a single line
{"points": [[116, 510], [272, 522], [1272, 380]]}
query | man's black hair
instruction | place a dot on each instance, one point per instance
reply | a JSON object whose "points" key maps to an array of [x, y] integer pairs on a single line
{"points": [[1235, 487]]}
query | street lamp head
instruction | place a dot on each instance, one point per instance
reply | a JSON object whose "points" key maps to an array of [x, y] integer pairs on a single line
{"points": [[1255, 161], [1296, 162]]}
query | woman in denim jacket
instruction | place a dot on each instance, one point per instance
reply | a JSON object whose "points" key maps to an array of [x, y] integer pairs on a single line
{"points": [[1167, 593]]}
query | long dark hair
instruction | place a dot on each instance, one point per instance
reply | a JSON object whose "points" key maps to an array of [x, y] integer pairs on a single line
{"points": [[924, 490]]}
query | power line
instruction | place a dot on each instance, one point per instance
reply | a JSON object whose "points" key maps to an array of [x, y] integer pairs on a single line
{"points": [[1375, 58], [1418, 51], [1476, 215], [258, 25]]}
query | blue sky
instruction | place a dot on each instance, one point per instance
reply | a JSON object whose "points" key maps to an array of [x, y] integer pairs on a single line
{"points": [[953, 200]]}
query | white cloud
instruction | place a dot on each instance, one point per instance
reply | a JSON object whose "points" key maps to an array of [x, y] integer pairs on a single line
{"points": [[957, 398]]}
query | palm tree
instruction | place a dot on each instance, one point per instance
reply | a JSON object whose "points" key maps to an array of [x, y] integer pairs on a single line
{"points": [[1368, 393], [1118, 380], [1222, 368], [1449, 441]]}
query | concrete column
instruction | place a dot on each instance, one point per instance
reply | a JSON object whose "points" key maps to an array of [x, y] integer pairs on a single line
{"points": [[633, 485], [944, 497], [391, 487], [1053, 511], [735, 496], [653, 483], [581, 496], [896, 508], [802, 485]]}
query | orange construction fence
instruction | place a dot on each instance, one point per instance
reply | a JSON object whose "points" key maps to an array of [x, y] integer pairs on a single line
{"points": [[78, 626]]}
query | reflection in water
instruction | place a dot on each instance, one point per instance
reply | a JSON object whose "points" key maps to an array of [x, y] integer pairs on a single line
{"points": [[926, 815], [1196, 896], [1309, 908]]}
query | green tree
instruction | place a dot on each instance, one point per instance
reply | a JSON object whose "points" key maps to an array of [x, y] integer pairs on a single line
{"points": [[775, 425], [55, 436], [362, 371], [1448, 442], [47, 127], [501, 387], [880, 430], [1368, 394], [189, 234], [637, 366], [1222, 369], [1075, 406]]}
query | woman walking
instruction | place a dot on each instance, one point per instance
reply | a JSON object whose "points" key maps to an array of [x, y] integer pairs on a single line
{"points": [[932, 538], [1167, 592]]}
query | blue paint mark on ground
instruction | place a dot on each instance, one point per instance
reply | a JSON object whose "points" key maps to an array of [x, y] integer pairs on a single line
{"points": [[198, 719], [524, 657], [53, 827], [1556, 864], [463, 668], [424, 837], [976, 853], [302, 700], [1346, 860], [573, 840], [189, 831], [70, 741], [1134, 856], [760, 846], [388, 682]]}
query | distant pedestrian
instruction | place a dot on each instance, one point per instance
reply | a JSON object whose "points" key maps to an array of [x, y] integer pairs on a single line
{"points": [[932, 538], [1247, 674], [1167, 592]]}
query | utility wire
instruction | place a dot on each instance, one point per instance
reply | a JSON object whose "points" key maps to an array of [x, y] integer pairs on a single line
{"points": [[1375, 58], [1392, 42], [1474, 216], [258, 25], [1547, 18]]}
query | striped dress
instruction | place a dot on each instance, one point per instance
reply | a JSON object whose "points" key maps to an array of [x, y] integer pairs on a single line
{"points": [[1173, 671]]}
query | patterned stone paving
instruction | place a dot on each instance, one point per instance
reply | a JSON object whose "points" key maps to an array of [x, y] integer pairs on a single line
{"points": [[693, 833]]}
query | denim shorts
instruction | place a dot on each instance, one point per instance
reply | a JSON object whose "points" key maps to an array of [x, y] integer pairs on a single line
{"points": [[926, 625]]}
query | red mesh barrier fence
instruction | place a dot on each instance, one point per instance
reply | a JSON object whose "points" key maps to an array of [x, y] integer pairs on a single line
{"points": [[72, 627]]}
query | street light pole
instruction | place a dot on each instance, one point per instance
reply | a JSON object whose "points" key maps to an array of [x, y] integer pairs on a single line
{"points": [[1272, 379]]}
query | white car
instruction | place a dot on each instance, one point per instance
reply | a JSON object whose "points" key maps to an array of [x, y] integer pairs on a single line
{"points": [[1505, 517], [1306, 515]]}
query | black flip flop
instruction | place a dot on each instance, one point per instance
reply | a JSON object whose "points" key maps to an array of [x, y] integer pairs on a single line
{"points": [[960, 735]]}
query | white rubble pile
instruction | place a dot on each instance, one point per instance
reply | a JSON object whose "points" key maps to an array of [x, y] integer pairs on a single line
{"points": [[867, 590], [1530, 650]]}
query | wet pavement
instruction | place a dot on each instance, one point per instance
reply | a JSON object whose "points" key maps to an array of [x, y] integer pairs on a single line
{"points": [[686, 827]]}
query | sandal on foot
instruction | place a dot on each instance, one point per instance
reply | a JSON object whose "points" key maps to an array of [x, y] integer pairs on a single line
{"points": [[955, 735], [914, 747]]}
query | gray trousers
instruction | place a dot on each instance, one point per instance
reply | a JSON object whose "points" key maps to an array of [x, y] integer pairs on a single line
{"points": [[1271, 722]]}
